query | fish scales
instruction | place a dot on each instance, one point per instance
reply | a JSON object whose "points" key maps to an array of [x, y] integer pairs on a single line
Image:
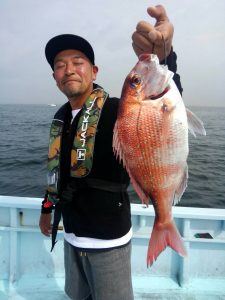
{"points": [[145, 159], [151, 138]]}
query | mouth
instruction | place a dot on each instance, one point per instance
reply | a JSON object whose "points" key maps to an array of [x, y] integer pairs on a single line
{"points": [[68, 81]]}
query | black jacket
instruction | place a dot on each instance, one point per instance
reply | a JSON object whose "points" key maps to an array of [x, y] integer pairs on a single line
{"points": [[95, 212]]}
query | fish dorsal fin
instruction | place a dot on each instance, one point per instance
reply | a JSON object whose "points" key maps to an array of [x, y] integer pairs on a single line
{"points": [[195, 125]]}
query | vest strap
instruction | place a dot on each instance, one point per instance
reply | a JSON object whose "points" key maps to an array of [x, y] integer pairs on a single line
{"points": [[84, 141]]}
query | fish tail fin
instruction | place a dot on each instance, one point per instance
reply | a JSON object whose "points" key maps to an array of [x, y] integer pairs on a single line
{"points": [[163, 236]]}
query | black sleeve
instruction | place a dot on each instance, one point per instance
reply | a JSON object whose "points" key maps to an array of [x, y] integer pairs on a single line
{"points": [[47, 206], [171, 62]]}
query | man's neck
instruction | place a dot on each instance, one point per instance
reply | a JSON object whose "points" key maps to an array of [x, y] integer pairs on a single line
{"points": [[78, 101]]}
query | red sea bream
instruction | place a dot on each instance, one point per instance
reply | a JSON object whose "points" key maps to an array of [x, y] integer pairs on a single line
{"points": [[151, 138]]}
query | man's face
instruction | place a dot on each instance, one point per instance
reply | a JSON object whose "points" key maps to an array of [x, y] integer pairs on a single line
{"points": [[74, 73]]}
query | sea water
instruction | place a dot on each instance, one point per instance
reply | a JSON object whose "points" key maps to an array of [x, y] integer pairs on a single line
{"points": [[24, 131]]}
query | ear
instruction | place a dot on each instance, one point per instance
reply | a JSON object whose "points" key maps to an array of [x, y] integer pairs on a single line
{"points": [[95, 72], [53, 75]]}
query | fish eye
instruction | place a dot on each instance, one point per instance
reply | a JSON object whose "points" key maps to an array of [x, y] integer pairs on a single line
{"points": [[135, 80]]}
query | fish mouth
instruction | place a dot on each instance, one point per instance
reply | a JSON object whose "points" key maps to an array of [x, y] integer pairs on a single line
{"points": [[155, 97], [145, 57]]}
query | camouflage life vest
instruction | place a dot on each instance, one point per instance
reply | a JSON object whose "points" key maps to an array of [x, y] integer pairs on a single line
{"points": [[83, 144]]}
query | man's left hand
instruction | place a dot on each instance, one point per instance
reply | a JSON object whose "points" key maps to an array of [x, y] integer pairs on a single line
{"points": [[149, 39]]}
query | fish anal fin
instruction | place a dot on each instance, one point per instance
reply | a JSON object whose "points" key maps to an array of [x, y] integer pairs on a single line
{"points": [[164, 235], [141, 194], [182, 187], [195, 125]]}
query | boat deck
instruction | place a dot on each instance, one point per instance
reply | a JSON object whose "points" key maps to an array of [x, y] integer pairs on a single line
{"points": [[29, 271]]}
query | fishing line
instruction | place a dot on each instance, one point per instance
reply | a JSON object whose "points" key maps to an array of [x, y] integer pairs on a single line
{"points": [[164, 44], [153, 48], [164, 48]]}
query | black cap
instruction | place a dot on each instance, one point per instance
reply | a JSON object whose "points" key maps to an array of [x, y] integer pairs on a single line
{"points": [[66, 42]]}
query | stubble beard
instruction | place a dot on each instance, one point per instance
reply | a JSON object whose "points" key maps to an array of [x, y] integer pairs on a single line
{"points": [[73, 92]]}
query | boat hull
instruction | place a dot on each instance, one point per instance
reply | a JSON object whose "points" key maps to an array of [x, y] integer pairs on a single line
{"points": [[28, 269]]}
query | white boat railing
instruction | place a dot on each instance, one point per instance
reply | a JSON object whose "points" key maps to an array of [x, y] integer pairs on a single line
{"points": [[27, 266]]}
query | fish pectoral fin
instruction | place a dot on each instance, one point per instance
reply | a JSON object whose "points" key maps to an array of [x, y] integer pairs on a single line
{"points": [[181, 188], [195, 125], [167, 105], [167, 109]]}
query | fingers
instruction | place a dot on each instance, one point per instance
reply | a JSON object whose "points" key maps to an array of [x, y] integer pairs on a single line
{"points": [[144, 27], [141, 43], [158, 12], [163, 25], [46, 231], [45, 224], [148, 31], [156, 38], [145, 38], [138, 51]]}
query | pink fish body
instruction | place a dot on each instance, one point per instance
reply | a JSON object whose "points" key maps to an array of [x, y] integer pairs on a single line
{"points": [[151, 138]]}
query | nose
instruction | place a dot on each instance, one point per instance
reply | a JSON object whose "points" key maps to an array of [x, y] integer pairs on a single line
{"points": [[69, 69]]}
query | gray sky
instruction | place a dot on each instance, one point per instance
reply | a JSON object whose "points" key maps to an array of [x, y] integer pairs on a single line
{"points": [[27, 25]]}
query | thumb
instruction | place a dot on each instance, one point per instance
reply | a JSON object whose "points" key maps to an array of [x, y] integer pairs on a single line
{"points": [[158, 12]]}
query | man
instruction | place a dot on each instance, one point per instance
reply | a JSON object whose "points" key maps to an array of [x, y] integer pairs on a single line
{"points": [[87, 184]]}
